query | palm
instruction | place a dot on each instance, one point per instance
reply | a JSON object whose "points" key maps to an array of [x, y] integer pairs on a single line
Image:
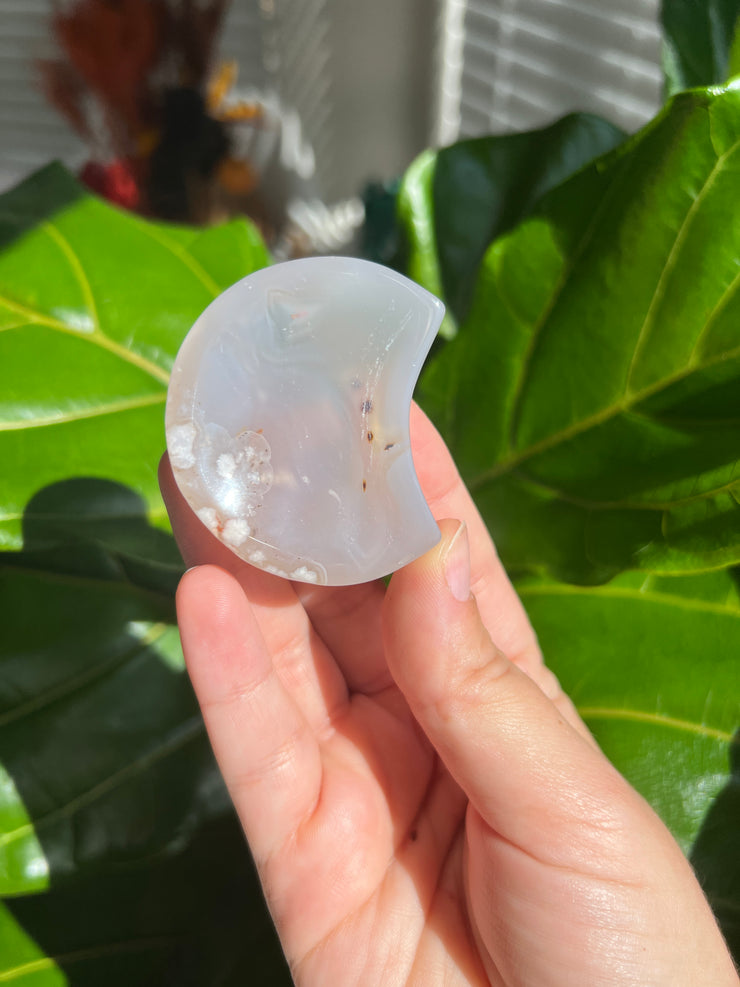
{"points": [[385, 840]]}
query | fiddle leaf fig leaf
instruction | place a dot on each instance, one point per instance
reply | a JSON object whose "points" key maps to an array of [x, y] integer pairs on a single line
{"points": [[107, 779], [699, 39], [653, 671], [195, 918], [592, 397], [454, 202], [651, 664], [94, 304], [127, 774]]}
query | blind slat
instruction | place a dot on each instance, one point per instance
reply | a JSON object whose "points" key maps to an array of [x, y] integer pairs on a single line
{"points": [[523, 63]]}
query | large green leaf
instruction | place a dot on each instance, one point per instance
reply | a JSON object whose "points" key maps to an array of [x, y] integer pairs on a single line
{"points": [[698, 39], [101, 742], [651, 663], [195, 919], [653, 670], [454, 202], [93, 306], [592, 397], [106, 775]]}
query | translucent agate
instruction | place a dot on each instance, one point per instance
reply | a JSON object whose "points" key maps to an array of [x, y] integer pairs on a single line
{"points": [[288, 419]]}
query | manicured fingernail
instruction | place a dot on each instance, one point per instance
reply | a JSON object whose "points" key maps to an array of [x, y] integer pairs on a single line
{"points": [[457, 564]]}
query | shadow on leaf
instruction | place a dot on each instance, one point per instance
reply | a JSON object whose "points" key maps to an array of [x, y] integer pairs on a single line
{"points": [[120, 846], [99, 529], [36, 200], [715, 857], [195, 919]]}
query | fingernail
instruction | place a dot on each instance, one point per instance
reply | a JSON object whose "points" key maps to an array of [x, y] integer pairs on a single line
{"points": [[457, 564]]}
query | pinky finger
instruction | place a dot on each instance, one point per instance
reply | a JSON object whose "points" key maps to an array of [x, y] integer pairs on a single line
{"points": [[266, 752]]}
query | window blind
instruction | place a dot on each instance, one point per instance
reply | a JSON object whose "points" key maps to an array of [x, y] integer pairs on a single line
{"points": [[516, 64]]}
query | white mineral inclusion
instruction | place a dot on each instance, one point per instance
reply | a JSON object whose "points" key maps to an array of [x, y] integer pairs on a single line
{"points": [[288, 419]]}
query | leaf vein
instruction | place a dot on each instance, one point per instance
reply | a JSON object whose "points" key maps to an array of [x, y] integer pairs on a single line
{"points": [[32, 315], [655, 719], [114, 407], [626, 592], [75, 683], [598, 418], [721, 305], [565, 277], [108, 949], [97, 337], [672, 259], [75, 263], [182, 255], [186, 733], [632, 505]]}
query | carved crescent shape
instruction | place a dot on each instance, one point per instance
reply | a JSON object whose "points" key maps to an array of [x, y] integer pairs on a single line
{"points": [[288, 419]]}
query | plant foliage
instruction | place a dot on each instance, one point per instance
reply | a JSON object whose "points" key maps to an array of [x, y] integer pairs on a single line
{"points": [[700, 42], [120, 858], [591, 397]]}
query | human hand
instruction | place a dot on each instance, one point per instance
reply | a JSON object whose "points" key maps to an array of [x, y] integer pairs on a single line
{"points": [[422, 809]]}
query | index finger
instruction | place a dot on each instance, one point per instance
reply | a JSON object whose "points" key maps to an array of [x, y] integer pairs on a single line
{"points": [[502, 612]]}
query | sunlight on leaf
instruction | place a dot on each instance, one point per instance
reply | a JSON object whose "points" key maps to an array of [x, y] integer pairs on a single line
{"points": [[27, 870], [22, 960]]}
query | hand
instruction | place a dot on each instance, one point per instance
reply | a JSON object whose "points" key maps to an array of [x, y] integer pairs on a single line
{"points": [[422, 809]]}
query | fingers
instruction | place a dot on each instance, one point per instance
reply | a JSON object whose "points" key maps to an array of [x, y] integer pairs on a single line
{"points": [[515, 751], [348, 619], [447, 496], [301, 659], [265, 748]]}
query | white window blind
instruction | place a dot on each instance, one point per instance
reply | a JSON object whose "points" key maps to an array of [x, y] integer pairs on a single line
{"points": [[29, 128], [516, 64], [360, 80]]}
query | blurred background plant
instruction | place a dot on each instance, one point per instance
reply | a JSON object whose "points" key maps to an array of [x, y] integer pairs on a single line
{"points": [[191, 110], [587, 380]]}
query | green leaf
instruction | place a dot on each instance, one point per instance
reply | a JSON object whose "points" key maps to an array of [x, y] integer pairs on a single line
{"points": [[697, 41], [99, 730], [103, 756], [195, 919], [733, 64], [592, 397], [653, 671], [455, 201], [93, 306], [416, 217], [110, 864], [651, 663], [591, 400]]}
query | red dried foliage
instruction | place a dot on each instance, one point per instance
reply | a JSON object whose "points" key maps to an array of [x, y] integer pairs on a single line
{"points": [[114, 45], [113, 48]]}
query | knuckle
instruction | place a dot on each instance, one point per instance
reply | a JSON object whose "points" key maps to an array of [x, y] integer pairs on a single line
{"points": [[482, 681], [275, 766], [236, 695]]}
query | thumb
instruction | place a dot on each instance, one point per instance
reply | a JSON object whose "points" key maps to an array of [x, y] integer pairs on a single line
{"points": [[524, 759]]}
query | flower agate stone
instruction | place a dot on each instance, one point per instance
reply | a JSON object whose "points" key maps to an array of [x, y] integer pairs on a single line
{"points": [[288, 419]]}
